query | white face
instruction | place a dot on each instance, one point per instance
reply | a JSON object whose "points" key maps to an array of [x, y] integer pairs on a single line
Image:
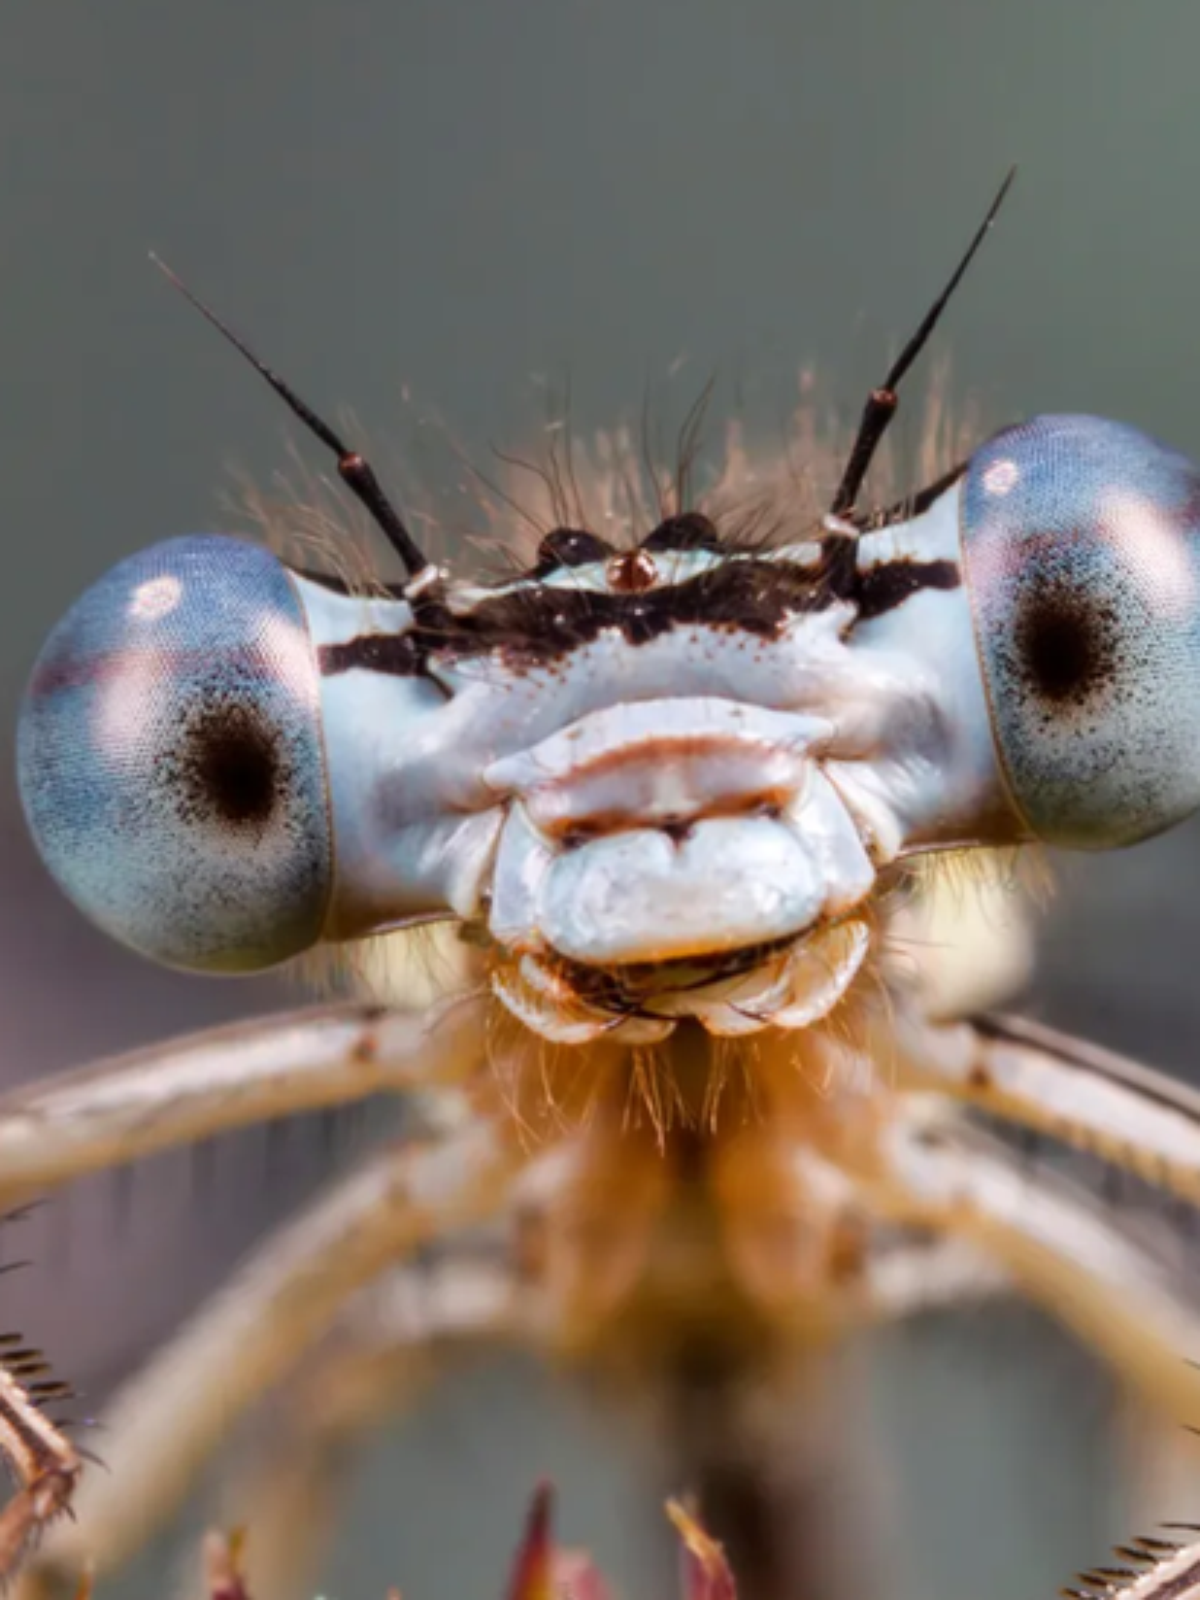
{"points": [[661, 782]]}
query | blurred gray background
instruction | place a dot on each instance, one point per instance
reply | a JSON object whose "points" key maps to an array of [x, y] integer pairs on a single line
{"points": [[449, 198]]}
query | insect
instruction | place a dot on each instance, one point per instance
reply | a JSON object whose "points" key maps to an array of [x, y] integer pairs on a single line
{"points": [[680, 1109]]}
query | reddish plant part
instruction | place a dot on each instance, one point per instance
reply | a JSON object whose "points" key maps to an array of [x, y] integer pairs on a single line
{"points": [[1148, 1568]]}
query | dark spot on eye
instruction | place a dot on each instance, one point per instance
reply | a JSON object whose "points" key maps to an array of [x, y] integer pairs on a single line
{"points": [[231, 767], [1065, 645], [569, 547]]}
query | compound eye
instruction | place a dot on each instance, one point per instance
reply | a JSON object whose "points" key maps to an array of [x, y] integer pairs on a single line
{"points": [[1081, 544], [171, 761]]}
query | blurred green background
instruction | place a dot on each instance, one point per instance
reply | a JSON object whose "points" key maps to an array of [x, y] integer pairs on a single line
{"points": [[453, 200]]}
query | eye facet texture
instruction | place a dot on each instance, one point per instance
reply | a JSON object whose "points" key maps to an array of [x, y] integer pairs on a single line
{"points": [[171, 762], [1081, 543]]}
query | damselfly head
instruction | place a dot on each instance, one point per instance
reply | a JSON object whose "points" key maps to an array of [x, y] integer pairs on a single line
{"points": [[665, 780]]}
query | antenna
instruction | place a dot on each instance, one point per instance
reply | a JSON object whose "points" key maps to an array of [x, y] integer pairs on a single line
{"points": [[355, 472], [882, 403]]}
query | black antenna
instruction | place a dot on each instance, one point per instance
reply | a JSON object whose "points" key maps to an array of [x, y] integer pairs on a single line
{"points": [[882, 402], [355, 472]]}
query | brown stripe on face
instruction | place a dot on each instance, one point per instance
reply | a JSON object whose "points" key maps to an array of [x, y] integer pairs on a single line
{"points": [[394, 655], [889, 585], [536, 625]]}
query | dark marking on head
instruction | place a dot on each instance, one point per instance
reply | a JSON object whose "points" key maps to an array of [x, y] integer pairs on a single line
{"points": [[569, 547], [690, 531], [888, 585], [395, 655], [532, 624]]}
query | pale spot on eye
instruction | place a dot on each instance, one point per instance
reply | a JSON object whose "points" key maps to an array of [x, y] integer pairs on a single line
{"points": [[155, 598], [1001, 477], [285, 646], [1155, 550]]}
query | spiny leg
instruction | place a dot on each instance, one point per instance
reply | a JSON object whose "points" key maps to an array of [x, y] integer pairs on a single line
{"points": [[1163, 1475], [1072, 1257], [131, 1105], [283, 1297], [1136, 1118], [1062, 1249], [393, 1341], [44, 1464], [1158, 1567], [1091, 1098]]}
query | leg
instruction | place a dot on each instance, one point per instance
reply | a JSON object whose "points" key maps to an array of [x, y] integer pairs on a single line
{"points": [[1144, 1569], [1061, 1249], [1134, 1117], [392, 1342], [43, 1464], [285, 1296], [930, 1274], [1164, 1468], [872, 1278], [121, 1109]]}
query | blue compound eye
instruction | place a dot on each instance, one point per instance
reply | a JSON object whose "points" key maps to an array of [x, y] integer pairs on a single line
{"points": [[171, 761], [1081, 543]]}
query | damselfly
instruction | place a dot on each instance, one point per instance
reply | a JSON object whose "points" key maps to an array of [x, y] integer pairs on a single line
{"points": [[674, 787]]}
